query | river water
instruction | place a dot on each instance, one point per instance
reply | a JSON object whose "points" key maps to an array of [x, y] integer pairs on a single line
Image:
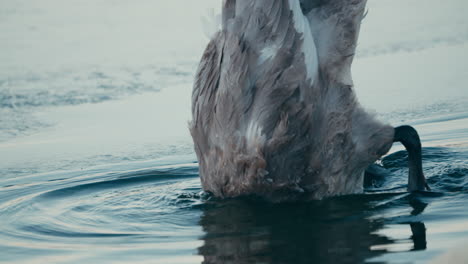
{"points": [[97, 165]]}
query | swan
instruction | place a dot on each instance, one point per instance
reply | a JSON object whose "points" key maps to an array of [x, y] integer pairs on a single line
{"points": [[274, 113]]}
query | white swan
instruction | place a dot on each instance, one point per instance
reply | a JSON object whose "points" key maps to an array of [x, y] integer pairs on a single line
{"points": [[274, 111]]}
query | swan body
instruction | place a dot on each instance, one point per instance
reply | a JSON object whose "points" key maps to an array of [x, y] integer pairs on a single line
{"points": [[274, 112]]}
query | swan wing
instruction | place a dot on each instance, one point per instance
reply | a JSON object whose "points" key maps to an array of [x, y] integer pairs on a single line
{"points": [[248, 101], [335, 25]]}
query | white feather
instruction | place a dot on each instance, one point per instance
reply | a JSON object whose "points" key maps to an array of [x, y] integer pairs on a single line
{"points": [[268, 52], [301, 23], [211, 22], [253, 135]]}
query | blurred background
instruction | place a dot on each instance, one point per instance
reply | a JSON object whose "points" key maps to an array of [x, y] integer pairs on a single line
{"points": [[63, 62]]}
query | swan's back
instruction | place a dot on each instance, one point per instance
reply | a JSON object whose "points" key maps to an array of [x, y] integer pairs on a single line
{"points": [[274, 113]]}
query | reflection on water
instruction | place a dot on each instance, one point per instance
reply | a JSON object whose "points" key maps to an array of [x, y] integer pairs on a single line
{"points": [[337, 230], [418, 229], [419, 235]]}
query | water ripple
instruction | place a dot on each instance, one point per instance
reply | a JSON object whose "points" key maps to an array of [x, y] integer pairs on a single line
{"points": [[161, 210]]}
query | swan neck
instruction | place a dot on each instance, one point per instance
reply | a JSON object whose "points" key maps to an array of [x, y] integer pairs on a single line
{"points": [[409, 137]]}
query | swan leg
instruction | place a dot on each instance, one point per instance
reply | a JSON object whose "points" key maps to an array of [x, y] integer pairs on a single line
{"points": [[408, 136]]}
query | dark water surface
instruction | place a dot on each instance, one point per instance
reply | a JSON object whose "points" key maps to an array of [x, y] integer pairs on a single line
{"points": [[159, 214]]}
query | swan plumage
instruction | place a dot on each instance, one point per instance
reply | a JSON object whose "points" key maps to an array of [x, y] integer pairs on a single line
{"points": [[274, 112]]}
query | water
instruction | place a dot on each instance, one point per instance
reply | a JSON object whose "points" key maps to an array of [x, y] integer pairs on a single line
{"points": [[160, 214], [97, 164]]}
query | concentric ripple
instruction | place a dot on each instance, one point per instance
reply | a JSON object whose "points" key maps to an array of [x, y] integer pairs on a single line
{"points": [[106, 210]]}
